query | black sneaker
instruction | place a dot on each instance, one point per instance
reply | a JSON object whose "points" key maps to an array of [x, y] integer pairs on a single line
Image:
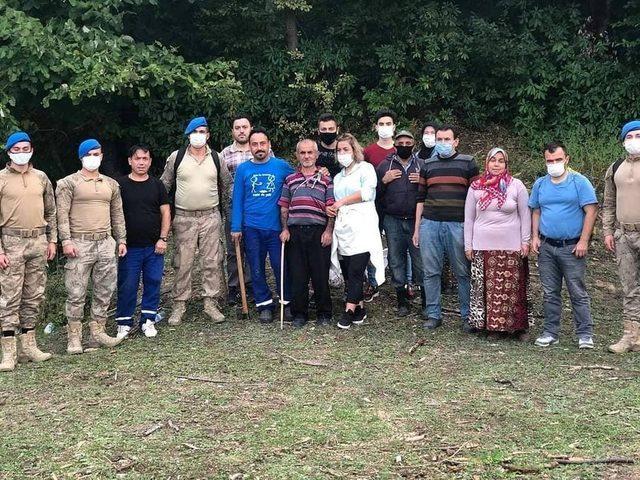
{"points": [[467, 327], [323, 320], [370, 292], [299, 321], [432, 323], [346, 320], [265, 316], [412, 292], [359, 315], [288, 316], [234, 296]]}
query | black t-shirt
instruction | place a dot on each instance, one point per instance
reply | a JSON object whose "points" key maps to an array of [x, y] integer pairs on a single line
{"points": [[141, 204], [327, 158]]}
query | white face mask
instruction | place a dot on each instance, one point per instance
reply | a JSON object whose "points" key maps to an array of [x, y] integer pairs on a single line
{"points": [[385, 131], [429, 140], [555, 169], [91, 162], [20, 158], [345, 159], [197, 140], [632, 146]]}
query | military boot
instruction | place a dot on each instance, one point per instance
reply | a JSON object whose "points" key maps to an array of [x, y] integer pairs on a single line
{"points": [[211, 309], [74, 337], [629, 338], [28, 350], [98, 334], [178, 311], [9, 354]]}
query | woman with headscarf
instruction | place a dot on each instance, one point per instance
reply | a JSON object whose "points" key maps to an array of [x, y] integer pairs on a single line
{"points": [[356, 238], [497, 231], [428, 140]]}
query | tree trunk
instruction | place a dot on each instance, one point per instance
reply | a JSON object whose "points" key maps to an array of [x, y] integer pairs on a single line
{"points": [[599, 13], [291, 30]]}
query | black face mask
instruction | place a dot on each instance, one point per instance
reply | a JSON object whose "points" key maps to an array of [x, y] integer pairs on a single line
{"points": [[328, 137], [404, 152]]}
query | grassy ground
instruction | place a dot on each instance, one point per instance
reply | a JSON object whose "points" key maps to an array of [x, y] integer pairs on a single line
{"points": [[457, 407]]}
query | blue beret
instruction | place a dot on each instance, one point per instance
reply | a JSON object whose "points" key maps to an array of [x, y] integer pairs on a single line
{"points": [[629, 127], [88, 145], [195, 123], [15, 138]]}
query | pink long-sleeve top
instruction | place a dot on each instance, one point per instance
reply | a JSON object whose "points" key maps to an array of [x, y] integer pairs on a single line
{"points": [[505, 228]]}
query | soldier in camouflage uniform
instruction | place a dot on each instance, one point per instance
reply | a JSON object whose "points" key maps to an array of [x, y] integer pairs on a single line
{"points": [[29, 236], [198, 184], [89, 217], [621, 229]]}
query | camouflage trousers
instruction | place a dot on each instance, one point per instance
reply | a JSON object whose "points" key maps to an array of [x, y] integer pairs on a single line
{"points": [[201, 231], [23, 282], [628, 260], [96, 260]]}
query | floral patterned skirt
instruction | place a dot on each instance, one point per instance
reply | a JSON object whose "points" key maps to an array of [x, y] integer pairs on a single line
{"points": [[499, 281]]}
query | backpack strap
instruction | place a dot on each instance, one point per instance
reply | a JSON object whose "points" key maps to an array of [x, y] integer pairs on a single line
{"points": [[615, 168], [172, 191]]}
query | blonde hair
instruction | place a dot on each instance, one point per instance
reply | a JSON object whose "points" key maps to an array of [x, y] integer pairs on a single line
{"points": [[358, 153]]}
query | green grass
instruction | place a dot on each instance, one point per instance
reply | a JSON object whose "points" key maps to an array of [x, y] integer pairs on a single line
{"points": [[375, 411]]}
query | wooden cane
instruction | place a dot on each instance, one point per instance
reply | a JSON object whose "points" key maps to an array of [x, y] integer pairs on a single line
{"points": [[243, 291], [282, 286]]}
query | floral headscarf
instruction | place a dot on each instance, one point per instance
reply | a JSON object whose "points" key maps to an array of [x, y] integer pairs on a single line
{"points": [[494, 186]]}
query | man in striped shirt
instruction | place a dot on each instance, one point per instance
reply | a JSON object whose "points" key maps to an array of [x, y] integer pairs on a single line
{"points": [[305, 226], [442, 190]]}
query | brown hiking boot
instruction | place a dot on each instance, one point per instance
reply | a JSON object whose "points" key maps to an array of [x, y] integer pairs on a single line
{"points": [[74, 337], [176, 315], [9, 354], [28, 350], [211, 309], [629, 338], [98, 334]]}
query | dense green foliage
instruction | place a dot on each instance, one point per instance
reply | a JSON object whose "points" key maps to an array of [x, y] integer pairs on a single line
{"points": [[127, 70]]}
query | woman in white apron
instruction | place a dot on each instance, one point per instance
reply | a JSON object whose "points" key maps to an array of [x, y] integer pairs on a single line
{"points": [[356, 238]]}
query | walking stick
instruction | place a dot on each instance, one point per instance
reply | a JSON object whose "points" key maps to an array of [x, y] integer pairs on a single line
{"points": [[243, 291], [282, 286]]}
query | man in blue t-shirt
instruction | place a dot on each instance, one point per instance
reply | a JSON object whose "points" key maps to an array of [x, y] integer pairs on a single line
{"points": [[256, 216], [564, 208]]}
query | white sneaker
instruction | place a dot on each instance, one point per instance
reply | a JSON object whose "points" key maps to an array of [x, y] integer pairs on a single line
{"points": [[123, 331], [585, 342], [149, 329], [546, 340]]}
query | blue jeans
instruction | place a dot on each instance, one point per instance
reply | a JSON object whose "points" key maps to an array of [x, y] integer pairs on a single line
{"points": [[399, 238], [554, 264], [139, 261], [436, 238], [257, 244]]}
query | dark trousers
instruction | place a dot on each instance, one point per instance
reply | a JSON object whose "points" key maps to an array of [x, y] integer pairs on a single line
{"points": [[259, 243], [139, 261], [232, 262], [353, 268], [308, 259]]}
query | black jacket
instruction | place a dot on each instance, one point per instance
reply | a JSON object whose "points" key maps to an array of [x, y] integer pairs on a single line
{"points": [[398, 198]]}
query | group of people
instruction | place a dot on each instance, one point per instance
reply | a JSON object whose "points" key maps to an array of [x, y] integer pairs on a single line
{"points": [[329, 214]]}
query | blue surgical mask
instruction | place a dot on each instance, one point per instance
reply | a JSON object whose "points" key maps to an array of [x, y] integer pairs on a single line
{"points": [[443, 149]]}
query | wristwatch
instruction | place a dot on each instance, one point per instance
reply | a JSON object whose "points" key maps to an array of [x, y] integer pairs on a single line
{"points": [[164, 239]]}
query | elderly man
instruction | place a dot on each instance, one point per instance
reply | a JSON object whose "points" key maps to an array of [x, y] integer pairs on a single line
{"points": [[305, 226], [621, 229], [148, 218], [565, 208], [198, 184], [256, 217], [398, 178], [89, 217], [29, 236]]}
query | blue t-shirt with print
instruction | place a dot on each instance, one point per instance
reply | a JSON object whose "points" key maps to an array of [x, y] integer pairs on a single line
{"points": [[561, 205], [256, 190]]}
